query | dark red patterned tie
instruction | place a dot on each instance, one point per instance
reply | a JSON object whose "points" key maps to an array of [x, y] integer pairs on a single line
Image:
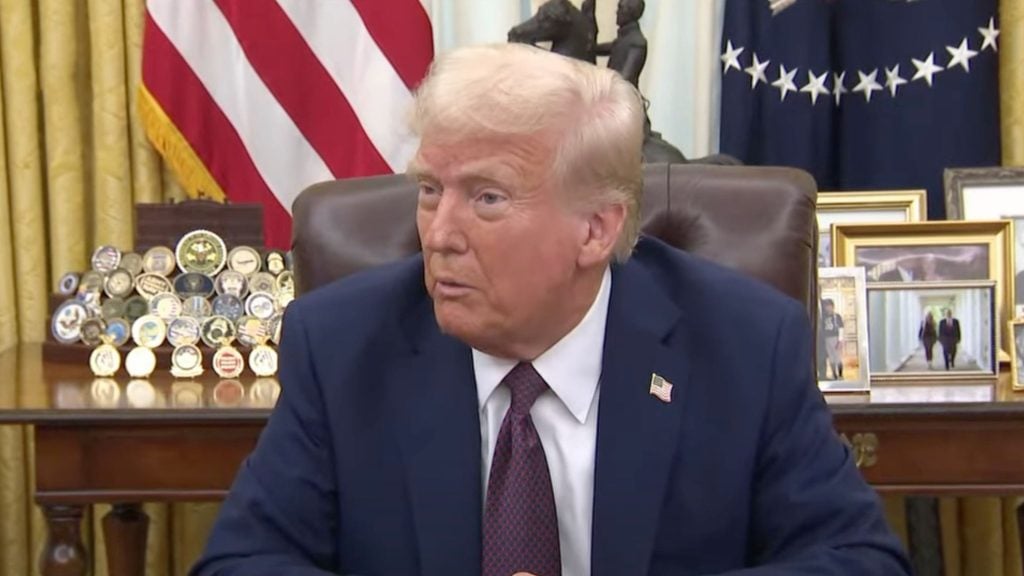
{"points": [[520, 524]]}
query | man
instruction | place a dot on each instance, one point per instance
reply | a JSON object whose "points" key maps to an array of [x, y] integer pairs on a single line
{"points": [[949, 337], [628, 52], [541, 392], [832, 328]]}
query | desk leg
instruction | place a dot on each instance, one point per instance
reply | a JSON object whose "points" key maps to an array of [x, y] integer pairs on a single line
{"points": [[64, 554], [125, 528]]}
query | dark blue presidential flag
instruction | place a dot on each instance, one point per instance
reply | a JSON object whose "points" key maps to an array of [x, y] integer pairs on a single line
{"points": [[863, 94]]}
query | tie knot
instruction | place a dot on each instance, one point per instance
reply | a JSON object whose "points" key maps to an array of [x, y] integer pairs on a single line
{"points": [[526, 385]]}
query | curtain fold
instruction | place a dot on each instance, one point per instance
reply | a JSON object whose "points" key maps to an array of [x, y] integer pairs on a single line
{"points": [[74, 160]]}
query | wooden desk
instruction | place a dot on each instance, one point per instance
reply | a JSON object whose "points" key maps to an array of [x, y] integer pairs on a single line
{"points": [[127, 443]]}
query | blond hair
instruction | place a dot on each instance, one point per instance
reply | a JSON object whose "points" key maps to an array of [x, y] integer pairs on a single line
{"points": [[595, 115]]}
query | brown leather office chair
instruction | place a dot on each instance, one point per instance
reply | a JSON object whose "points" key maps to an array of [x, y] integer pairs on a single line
{"points": [[758, 220]]}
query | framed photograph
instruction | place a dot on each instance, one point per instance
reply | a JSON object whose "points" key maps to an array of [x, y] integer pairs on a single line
{"points": [[842, 346], [917, 252], [1017, 362], [868, 207], [933, 331], [991, 194]]}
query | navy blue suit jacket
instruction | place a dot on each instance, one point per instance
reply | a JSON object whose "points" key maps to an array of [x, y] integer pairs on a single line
{"points": [[371, 463]]}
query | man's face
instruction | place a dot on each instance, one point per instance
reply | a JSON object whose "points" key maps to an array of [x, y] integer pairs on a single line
{"points": [[500, 241], [829, 308], [625, 12], [949, 313]]}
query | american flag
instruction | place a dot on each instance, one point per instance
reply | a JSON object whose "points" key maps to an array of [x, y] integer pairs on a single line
{"points": [[661, 388], [253, 100]]}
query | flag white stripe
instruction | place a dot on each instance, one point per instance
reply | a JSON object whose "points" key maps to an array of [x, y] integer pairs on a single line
{"points": [[282, 155], [375, 91]]}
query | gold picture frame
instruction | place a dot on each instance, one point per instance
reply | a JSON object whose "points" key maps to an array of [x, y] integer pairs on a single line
{"points": [[1017, 354], [948, 251], [865, 207]]}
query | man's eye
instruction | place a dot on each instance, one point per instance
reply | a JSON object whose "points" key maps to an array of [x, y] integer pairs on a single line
{"points": [[490, 197]]}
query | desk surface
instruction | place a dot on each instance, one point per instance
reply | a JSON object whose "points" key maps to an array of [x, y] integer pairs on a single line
{"points": [[33, 391]]}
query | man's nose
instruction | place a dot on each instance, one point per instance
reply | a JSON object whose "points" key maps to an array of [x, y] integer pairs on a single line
{"points": [[446, 228]]}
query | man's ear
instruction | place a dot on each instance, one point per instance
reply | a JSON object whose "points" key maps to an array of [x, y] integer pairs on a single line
{"points": [[603, 229]]}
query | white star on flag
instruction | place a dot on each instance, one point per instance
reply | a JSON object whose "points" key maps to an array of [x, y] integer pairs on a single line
{"points": [[731, 57], [961, 55], [756, 71], [990, 34], [926, 69], [839, 86], [816, 86], [893, 80], [785, 82], [868, 84]]}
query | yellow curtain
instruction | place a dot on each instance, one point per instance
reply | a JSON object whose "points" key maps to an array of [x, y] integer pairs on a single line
{"points": [[73, 161]]}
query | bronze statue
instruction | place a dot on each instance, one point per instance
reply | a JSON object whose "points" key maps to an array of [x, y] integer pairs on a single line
{"points": [[571, 31], [627, 54]]}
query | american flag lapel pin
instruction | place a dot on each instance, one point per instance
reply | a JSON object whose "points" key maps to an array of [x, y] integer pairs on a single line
{"points": [[661, 388]]}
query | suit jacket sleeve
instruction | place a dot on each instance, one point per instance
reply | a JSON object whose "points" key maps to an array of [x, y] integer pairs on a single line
{"points": [[280, 515], [813, 514]]}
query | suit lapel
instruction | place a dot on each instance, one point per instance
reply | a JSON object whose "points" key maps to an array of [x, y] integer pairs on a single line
{"points": [[637, 433], [437, 415]]}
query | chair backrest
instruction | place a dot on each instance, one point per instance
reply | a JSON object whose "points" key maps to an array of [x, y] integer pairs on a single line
{"points": [[760, 221]]}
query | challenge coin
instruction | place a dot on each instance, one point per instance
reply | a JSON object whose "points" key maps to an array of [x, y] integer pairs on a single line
{"points": [[275, 262], [228, 362], [252, 331], [165, 306], [105, 360], [263, 360], [149, 331], [66, 324], [140, 362], [217, 331], [112, 308], [135, 308], [228, 394], [119, 331], [232, 282], [150, 284], [68, 284], [183, 331], [93, 330], [263, 282], [245, 259], [201, 251], [132, 262], [261, 305], [105, 259], [193, 284], [186, 394], [119, 283], [158, 260], [264, 392], [229, 306], [196, 307], [186, 362]]}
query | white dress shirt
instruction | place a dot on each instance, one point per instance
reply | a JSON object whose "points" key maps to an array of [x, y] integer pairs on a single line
{"points": [[566, 420]]}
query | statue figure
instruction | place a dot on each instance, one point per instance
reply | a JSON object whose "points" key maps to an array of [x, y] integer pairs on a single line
{"points": [[627, 54], [572, 32]]}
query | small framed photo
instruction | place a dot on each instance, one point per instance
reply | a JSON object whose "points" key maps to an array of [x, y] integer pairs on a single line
{"points": [[842, 339], [1017, 364], [933, 331], [991, 194], [867, 207], [966, 251]]}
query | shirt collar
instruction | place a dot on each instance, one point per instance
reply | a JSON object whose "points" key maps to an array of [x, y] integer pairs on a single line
{"points": [[572, 367]]}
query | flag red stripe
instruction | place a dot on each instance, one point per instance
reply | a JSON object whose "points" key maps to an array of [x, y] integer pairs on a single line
{"points": [[402, 30], [189, 105], [303, 87]]}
